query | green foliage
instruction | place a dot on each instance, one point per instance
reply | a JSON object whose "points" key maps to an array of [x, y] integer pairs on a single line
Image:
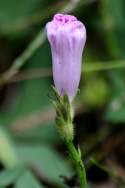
{"points": [[9, 176], [116, 108], [95, 92], [7, 152], [46, 159], [113, 25], [28, 180]]}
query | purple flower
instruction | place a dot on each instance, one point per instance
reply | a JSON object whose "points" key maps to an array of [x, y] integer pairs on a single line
{"points": [[67, 38]]}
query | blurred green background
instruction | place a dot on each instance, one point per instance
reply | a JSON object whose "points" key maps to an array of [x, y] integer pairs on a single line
{"points": [[31, 153]]}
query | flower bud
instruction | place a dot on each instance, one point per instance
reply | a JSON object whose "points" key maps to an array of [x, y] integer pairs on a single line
{"points": [[67, 38]]}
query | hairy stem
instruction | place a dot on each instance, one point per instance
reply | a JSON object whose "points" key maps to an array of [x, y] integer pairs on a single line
{"points": [[78, 163]]}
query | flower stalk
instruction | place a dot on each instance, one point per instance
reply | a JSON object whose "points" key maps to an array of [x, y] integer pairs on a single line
{"points": [[64, 123], [78, 163]]}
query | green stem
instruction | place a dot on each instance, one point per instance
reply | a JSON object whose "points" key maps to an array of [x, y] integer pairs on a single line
{"points": [[20, 61], [64, 122], [102, 66], [76, 158]]}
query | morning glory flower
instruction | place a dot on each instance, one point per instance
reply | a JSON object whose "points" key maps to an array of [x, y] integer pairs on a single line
{"points": [[67, 37]]}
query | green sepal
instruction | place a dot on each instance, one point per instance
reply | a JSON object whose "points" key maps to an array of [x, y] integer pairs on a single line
{"points": [[64, 115]]}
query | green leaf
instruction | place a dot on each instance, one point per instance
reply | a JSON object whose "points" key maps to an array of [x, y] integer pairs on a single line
{"points": [[27, 180], [41, 133], [51, 164], [7, 152], [9, 176]]}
